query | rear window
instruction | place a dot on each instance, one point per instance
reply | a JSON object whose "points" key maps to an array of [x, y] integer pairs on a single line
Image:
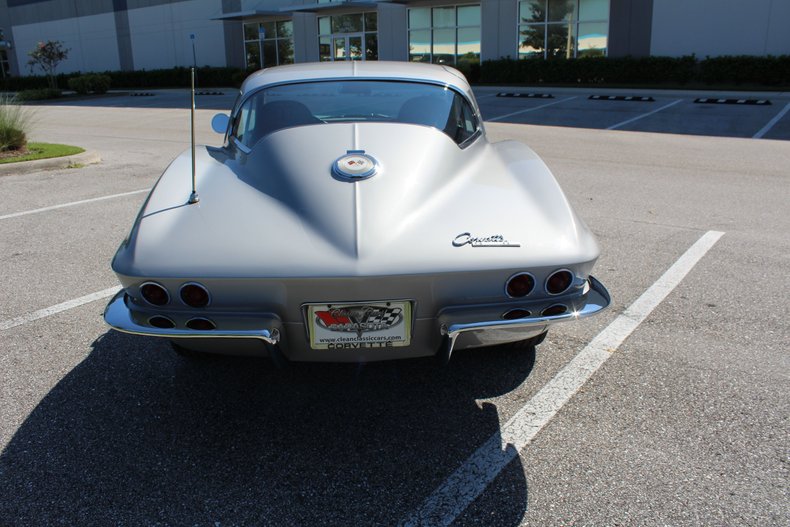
{"points": [[314, 103]]}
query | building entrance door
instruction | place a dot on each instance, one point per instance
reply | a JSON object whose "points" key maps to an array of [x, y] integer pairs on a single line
{"points": [[348, 47]]}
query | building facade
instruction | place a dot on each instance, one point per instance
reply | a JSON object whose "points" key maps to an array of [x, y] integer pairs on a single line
{"points": [[106, 35]]}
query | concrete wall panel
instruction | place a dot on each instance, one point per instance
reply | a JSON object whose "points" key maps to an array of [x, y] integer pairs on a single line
{"points": [[160, 35], [630, 27], [720, 27], [499, 31], [91, 40], [777, 40], [393, 32], [305, 37]]}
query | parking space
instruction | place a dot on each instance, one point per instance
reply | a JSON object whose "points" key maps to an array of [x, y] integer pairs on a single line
{"points": [[779, 126], [581, 112], [681, 421], [688, 117], [674, 112]]}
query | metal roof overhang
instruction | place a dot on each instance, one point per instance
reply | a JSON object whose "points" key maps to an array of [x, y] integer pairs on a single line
{"points": [[241, 15], [327, 6]]}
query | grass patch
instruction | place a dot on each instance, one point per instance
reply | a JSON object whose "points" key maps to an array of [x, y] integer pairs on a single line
{"points": [[14, 124], [43, 151]]}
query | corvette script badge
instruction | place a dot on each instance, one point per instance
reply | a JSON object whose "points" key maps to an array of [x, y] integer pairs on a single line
{"points": [[493, 240]]}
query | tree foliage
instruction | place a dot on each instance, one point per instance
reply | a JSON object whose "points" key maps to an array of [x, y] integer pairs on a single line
{"points": [[47, 55]]}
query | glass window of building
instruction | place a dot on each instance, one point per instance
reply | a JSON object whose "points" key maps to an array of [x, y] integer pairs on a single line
{"points": [[445, 35], [351, 36], [5, 66], [556, 29], [268, 44]]}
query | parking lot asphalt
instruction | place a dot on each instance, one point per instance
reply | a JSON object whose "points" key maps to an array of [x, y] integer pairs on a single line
{"points": [[685, 423], [669, 111]]}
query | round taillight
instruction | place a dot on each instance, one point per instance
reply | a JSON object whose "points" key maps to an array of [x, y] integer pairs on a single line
{"points": [[161, 322], [154, 293], [515, 314], [201, 324], [519, 285], [194, 295], [557, 309], [559, 282]]}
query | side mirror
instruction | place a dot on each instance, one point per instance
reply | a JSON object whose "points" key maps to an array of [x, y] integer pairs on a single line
{"points": [[219, 123]]}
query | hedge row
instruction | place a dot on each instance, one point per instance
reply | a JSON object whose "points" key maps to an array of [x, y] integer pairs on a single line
{"points": [[207, 77], [734, 70], [92, 82], [766, 71]]}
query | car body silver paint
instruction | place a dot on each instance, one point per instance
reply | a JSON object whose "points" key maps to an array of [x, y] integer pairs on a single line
{"points": [[275, 229]]}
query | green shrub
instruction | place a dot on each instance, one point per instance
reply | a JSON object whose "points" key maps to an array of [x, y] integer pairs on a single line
{"points": [[38, 94], [92, 82], [101, 83], [206, 77], [657, 71], [469, 65], [591, 70], [14, 123], [765, 71], [769, 70], [80, 84]]}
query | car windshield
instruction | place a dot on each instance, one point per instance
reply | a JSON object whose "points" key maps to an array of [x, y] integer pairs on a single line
{"points": [[309, 103]]}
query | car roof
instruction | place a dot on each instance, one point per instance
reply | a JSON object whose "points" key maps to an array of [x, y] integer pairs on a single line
{"points": [[383, 70]]}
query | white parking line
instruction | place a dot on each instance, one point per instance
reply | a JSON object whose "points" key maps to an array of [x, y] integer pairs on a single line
{"points": [[618, 125], [767, 128], [71, 204], [458, 491], [530, 109], [59, 308]]}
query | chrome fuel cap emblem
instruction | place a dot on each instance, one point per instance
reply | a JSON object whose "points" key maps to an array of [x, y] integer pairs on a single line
{"points": [[355, 165]]}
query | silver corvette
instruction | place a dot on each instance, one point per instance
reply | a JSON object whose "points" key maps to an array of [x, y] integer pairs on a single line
{"points": [[356, 212]]}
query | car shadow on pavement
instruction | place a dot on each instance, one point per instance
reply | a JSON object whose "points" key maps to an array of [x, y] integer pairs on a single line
{"points": [[136, 435]]}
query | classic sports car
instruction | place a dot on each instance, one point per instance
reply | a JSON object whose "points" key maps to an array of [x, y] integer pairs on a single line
{"points": [[356, 212]]}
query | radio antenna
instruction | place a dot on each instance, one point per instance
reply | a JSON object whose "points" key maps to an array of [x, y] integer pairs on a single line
{"points": [[193, 198]]}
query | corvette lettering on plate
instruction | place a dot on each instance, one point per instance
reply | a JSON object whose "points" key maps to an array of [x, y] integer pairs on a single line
{"points": [[355, 326]]}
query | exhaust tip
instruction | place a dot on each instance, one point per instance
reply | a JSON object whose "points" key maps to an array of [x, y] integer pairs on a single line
{"points": [[201, 324], [556, 309], [515, 314], [161, 322]]}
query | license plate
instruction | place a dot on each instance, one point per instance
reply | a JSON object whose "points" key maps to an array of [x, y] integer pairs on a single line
{"points": [[368, 325]]}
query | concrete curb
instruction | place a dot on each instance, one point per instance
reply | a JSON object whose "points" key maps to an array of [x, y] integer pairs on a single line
{"points": [[26, 167]]}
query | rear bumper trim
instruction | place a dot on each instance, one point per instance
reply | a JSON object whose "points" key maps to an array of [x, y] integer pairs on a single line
{"points": [[119, 316], [596, 300]]}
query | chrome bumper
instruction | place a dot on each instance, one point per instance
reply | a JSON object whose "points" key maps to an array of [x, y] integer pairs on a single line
{"points": [[119, 316], [452, 324], [595, 300]]}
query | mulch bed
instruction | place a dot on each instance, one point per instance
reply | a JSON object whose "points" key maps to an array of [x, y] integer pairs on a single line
{"points": [[15, 153]]}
